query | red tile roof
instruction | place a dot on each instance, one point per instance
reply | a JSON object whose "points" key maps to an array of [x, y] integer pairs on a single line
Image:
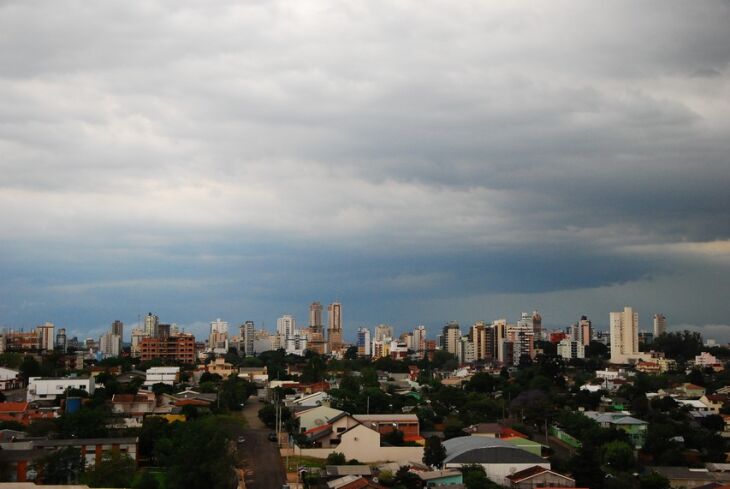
{"points": [[509, 432], [13, 407], [527, 473]]}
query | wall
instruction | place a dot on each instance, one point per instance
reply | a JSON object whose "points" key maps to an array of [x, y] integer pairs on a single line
{"points": [[382, 454]]}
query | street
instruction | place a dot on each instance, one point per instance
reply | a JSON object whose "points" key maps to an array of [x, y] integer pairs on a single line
{"points": [[263, 466]]}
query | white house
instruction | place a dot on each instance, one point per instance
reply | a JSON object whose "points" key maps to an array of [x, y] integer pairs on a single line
{"points": [[10, 379], [162, 375], [49, 388]]}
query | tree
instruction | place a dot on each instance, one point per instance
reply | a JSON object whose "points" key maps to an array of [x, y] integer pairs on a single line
{"points": [[146, 480], [434, 452], [62, 466], [618, 455], [481, 382], [713, 422], [113, 470], [205, 441], [336, 458], [654, 481], [394, 438], [476, 478], [29, 368], [454, 429], [407, 479], [84, 423]]}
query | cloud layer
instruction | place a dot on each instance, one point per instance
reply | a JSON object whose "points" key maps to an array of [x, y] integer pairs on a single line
{"points": [[246, 158]]}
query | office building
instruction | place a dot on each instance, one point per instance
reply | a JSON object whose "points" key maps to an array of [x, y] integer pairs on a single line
{"points": [[624, 335]]}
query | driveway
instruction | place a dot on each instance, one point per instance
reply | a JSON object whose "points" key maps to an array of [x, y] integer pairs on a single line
{"points": [[263, 465]]}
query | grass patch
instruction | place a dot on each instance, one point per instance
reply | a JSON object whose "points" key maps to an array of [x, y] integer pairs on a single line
{"points": [[295, 461]]}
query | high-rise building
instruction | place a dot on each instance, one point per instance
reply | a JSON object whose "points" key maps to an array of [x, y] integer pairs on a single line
{"points": [[315, 314], [569, 348], [138, 334], [478, 338], [452, 338], [660, 325], [581, 331], [218, 338], [334, 327], [499, 327], [315, 331], [522, 335], [46, 337], [624, 327], [419, 340], [150, 325], [110, 344], [61, 340], [363, 342], [383, 332], [248, 332], [286, 325], [537, 325], [118, 328]]}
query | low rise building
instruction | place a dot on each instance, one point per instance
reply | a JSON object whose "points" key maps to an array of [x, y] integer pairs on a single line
{"points": [[499, 458], [162, 375], [10, 379], [51, 388], [538, 476], [635, 428]]}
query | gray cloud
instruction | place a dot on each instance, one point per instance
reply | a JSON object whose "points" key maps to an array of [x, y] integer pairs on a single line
{"points": [[155, 141]]}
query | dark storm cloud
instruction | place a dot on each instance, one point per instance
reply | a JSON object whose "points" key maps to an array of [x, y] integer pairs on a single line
{"points": [[253, 155]]}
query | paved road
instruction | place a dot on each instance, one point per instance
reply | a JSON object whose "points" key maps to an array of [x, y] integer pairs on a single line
{"points": [[264, 467]]}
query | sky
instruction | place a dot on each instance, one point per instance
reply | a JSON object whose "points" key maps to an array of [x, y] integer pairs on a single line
{"points": [[418, 161]]}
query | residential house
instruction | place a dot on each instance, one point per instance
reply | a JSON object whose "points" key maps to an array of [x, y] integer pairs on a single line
{"points": [[435, 478], [687, 478], [10, 379], [537, 476], [134, 405], [635, 428], [714, 402], [386, 423]]}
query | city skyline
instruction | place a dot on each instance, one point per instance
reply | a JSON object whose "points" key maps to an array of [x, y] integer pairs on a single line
{"points": [[240, 161]]}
